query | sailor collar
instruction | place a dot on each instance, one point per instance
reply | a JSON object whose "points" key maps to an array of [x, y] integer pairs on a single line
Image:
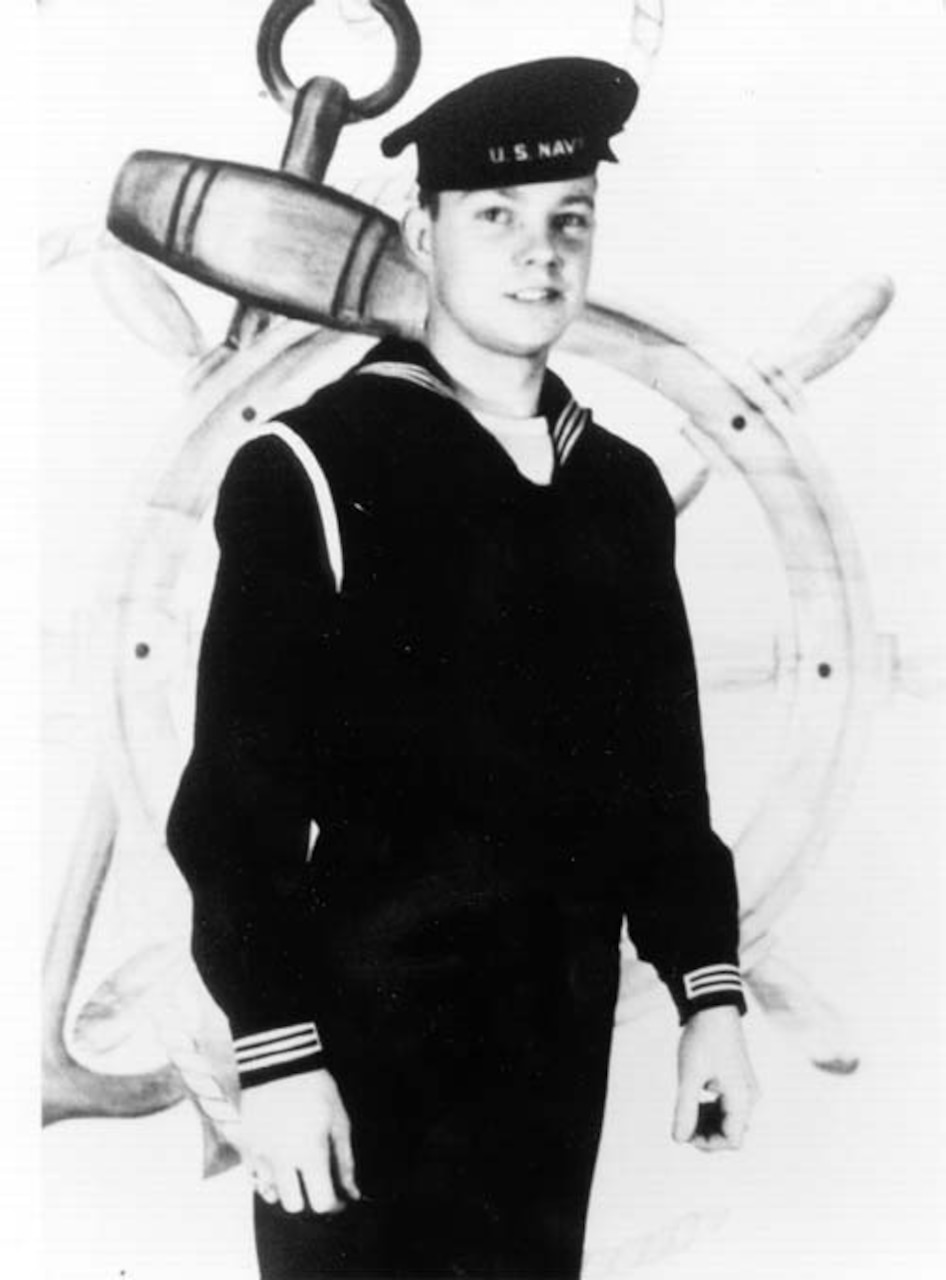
{"points": [[413, 363]]}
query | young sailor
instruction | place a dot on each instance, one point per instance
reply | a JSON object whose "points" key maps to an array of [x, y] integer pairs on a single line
{"points": [[446, 632]]}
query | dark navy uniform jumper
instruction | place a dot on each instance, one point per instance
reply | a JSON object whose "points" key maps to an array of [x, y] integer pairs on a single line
{"points": [[493, 722]]}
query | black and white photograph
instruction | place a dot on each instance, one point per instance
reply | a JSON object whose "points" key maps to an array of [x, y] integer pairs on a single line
{"points": [[491, 654]]}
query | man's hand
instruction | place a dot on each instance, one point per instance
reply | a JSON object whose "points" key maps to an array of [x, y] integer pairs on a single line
{"points": [[712, 1059], [296, 1136]]}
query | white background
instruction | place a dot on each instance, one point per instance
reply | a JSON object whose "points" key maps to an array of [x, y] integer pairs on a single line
{"points": [[780, 150]]}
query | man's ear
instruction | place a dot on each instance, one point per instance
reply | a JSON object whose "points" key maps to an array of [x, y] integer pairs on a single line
{"points": [[416, 232]]}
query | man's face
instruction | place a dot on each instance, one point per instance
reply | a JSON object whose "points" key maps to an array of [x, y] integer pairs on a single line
{"points": [[508, 268]]}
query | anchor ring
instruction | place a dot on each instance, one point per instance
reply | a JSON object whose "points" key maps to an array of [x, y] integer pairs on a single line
{"points": [[279, 18]]}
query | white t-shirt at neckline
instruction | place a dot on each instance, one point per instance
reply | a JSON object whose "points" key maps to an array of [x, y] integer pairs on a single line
{"points": [[526, 440]]}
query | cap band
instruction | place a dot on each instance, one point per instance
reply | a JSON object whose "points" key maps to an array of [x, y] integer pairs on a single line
{"points": [[509, 161], [537, 122]]}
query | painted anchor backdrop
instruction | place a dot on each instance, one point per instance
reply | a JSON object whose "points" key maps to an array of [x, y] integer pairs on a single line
{"points": [[794, 653]]}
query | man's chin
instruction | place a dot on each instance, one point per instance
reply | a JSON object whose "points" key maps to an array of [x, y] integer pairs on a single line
{"points": [[532, 340]]}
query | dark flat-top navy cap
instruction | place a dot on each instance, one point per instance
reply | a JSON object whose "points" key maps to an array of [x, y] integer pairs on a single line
{"points": [[535, 122]]}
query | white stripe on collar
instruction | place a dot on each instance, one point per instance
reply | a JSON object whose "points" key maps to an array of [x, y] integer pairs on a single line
{"points": [[415, 373], [565, 431]]}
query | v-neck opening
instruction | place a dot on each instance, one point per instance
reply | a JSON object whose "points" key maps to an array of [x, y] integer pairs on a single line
{"points": [[413, 363]]}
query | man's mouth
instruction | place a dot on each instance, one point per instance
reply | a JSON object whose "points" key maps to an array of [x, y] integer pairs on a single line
{"points": [[537, 293]]}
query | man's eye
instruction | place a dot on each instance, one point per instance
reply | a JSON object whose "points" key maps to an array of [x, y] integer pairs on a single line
{"points": [[495, 213], [573, 222]]}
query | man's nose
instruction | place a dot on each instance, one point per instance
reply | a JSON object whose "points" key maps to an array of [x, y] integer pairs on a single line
{"points": [[540, 245]]}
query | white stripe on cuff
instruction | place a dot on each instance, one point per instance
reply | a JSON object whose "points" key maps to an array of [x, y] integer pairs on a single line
{"points": [[261, 1050], [284, 1044], [276, 1059], [710, 979], [262, 1037]]}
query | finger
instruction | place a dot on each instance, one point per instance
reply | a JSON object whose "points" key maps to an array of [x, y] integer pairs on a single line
{"points": [[345, 1161], [261, 1179], [735, 1117], [684, 1119], [288, 1188], [320, 1190], [266, 1190]]}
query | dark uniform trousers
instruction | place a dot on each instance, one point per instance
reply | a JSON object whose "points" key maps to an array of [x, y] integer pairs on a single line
{"points": [[476, 1110], [494, 724]]}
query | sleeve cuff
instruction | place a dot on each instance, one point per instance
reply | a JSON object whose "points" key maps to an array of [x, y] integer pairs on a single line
{"points": [[707, 987], [275, 1054]]}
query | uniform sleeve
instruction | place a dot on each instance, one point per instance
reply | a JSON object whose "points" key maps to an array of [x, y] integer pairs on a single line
{"points": [[240, 824], [682, 905]]}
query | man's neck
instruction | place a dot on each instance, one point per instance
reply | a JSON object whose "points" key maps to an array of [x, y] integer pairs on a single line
{"points": [[488, 381]]}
